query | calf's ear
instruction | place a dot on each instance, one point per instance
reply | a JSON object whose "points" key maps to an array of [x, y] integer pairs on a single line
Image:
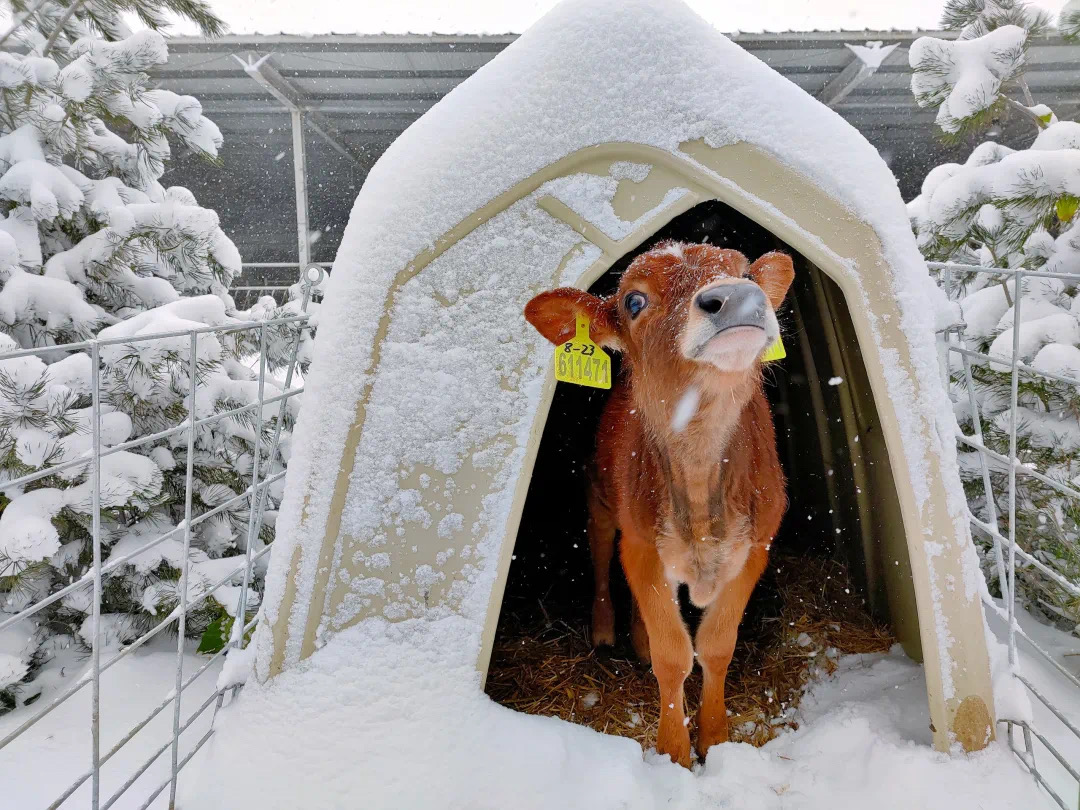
{"points": [[554, 315], [773, 272]]}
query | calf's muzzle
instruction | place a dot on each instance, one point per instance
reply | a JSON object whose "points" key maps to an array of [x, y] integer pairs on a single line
{"points": [[730, 305]]}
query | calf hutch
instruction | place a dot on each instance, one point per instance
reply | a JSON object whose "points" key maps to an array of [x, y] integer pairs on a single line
{"points": [[605, 128]]}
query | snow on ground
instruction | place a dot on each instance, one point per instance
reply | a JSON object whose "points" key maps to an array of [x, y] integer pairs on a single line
{"points": [[378, 718], [38, 766], [371, 721]]}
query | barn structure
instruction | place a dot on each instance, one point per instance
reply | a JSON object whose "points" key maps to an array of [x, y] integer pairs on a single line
{"points": [[304, 128], [429, 394]]}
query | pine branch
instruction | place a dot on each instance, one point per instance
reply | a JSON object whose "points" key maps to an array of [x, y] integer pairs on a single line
{"points": [[1025, 111], [60, 26], [24, 17], [953, 131], [1069, 24], [976, 18], [199, 13]]}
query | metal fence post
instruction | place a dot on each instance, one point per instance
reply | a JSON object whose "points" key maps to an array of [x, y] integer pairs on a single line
{"points": [[95, 699], [1013, 386], [988, 487], [255, 507], [189, 475], [310, 278], [300, 181]]}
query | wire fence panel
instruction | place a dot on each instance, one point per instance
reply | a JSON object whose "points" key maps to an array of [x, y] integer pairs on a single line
{"points": [[246, 296], [1038, 741], [266, 278], [127, 763]]}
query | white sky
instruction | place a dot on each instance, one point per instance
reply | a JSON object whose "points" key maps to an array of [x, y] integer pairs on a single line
{"points": [[514, 16]]}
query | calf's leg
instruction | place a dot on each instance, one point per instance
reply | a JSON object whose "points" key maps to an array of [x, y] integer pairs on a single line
{"points": [[715, 642], [639, 636], [669, 642], [601, 531]]}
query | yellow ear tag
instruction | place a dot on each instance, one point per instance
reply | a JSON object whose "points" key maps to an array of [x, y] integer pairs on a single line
{"points": [[774, 352], [582, 362]]}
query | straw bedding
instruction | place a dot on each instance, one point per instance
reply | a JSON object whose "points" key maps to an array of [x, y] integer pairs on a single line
{"points": [[804, 614]]}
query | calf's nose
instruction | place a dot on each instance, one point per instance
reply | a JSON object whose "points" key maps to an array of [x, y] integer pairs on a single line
{"points": [[733, 304]]}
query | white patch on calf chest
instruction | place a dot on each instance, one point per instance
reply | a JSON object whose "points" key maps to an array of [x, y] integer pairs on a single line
{"points": [[732, 554], [705, 565], [685, 409]]}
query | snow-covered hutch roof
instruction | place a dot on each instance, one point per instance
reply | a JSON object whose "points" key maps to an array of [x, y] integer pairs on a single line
{"points": [[429, 391]]}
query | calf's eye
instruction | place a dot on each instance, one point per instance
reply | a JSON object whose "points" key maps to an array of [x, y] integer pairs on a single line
{"points": [[634, 303]]}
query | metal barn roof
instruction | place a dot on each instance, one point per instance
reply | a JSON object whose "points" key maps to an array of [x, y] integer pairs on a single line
{"points": [[355, 94]]}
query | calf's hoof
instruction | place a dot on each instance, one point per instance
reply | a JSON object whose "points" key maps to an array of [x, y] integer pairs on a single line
{"points": [[710, 736], [603, 623], [675, 744]]}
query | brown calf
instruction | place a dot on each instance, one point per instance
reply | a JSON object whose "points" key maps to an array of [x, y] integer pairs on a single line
{"points": [[686, 466]]}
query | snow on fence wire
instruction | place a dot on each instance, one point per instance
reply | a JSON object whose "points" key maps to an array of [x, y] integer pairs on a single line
{"points": [[247, 294], [255, 494], [1009, 555]]}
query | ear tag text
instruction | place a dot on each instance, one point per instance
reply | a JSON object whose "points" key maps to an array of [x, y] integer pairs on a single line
{"points": [[582, 362], [775, 352]]}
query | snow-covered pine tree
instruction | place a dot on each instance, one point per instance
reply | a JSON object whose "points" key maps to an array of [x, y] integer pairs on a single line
{"points": [[91, 243], [1011, 209], [1069, 22]]}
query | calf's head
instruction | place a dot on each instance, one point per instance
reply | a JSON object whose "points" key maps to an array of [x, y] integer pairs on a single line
{"points": [[685, 316]]}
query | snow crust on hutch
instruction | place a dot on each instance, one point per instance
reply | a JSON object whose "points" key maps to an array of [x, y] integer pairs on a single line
{"points": [[588, 73]]}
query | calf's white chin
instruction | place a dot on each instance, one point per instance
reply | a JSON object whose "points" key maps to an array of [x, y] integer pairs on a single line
{"points": [[734, 349]]}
